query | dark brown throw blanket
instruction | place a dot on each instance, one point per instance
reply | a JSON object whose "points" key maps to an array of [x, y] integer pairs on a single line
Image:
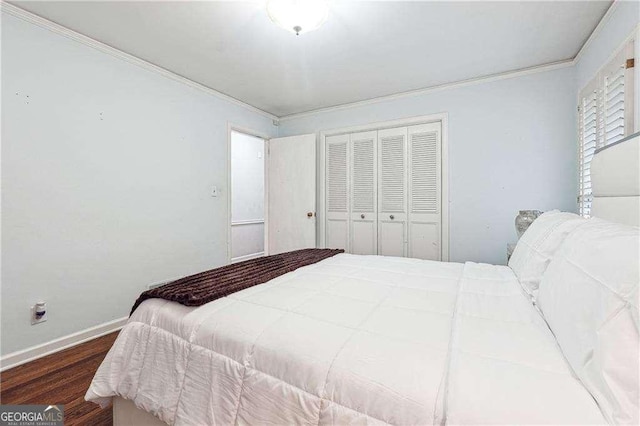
{"points": [[198, 289]]}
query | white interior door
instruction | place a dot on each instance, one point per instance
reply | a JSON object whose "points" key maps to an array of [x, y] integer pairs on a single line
{"points": [[337, 192], [291, 176], [425, 191], [364, 188], [392, 190]]}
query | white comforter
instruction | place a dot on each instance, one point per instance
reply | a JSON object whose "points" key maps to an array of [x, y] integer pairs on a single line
{"points": [[351, 339]]}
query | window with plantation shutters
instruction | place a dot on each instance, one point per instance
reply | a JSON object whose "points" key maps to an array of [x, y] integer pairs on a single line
{"points": [[605, 116]]}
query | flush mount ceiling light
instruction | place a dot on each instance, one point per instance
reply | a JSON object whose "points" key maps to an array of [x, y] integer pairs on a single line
{"points": [[298, 16]]}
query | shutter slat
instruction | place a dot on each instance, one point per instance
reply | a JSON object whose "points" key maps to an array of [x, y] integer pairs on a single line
{"points": [[617, 123], [590, 105], [616, 79], [615, 136], [614, 98], [591, 130], [590, 115]]}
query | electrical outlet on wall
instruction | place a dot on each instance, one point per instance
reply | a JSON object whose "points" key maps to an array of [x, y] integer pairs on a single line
{"points": [[38, 313]]}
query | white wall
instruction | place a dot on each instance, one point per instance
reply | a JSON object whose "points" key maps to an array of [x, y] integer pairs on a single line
{"points": [[512, 146], [107, 171], [247, 194]]}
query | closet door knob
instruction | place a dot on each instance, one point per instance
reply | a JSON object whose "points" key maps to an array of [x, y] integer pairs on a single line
{"points": [[310, 214], [391, 217], [362, 216]]}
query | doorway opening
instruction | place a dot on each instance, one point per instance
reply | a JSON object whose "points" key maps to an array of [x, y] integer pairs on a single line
{"points": [[247, 163]]}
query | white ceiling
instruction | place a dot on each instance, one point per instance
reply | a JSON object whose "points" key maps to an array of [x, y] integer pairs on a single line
{"points": [[366, 49]]}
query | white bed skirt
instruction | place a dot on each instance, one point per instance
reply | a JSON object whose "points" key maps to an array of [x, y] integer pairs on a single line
{"points": [[125, 413]]}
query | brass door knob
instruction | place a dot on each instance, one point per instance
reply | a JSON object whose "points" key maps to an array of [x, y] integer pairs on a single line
{"points": [[310, 214]]}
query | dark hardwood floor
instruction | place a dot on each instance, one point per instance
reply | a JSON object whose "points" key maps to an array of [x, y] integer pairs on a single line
{"points": [[61, 378]]}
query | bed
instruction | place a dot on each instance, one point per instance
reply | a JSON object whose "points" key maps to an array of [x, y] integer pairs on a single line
{"points": [[382, 340]]}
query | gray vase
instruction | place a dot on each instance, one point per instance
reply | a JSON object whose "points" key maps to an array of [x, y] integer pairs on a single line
{"points": [[524, 219]]}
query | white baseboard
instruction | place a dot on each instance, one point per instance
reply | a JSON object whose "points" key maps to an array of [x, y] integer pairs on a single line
{"points": [[21, 357], [247, 257]]}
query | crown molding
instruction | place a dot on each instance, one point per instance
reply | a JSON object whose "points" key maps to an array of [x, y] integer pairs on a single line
{"points": [[102, 47], [462, 83], [603, 21]]}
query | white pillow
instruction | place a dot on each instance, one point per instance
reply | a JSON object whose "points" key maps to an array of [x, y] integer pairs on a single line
{"points": [[537, 246], [589, 297]]}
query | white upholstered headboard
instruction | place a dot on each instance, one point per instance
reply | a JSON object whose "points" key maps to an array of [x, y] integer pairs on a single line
{"points": [[615, 176]]}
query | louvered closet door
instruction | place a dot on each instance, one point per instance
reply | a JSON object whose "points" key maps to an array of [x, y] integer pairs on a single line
{"points": [[337, 192], [425, 183], [364, 218], [392, 192]]}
